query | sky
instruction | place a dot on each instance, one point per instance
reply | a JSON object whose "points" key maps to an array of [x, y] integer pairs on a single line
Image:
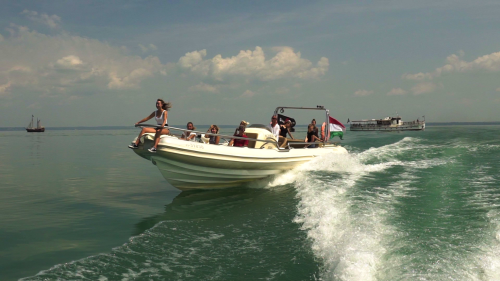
{"points": [[104, 63]]}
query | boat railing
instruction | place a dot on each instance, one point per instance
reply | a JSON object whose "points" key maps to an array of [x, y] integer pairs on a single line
{"points": [[407, 123], [364, 125], [208, 134], [233, 137], [415, 122]]}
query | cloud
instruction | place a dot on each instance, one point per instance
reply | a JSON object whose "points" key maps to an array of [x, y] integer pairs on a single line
{"points": [[143, 48], [424, 88], [67, 61], [362, 93], [253, 65], [397, 92], [419, 76], [190, 60], [489, 62], [51, 21], [248, 94], [202, 87], [149, 48], [498, 89], [4, 89], [282, 90], [20, 69], [71, 65], [128, 81]]}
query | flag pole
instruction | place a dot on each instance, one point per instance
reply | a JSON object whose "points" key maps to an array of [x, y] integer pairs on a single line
{"points": [[327, 129]]}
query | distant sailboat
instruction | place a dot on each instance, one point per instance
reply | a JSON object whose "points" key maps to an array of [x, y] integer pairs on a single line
{"points": [[38, 127]]}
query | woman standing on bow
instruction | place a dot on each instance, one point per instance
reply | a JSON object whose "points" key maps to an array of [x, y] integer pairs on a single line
{"points": [[160, 115]]}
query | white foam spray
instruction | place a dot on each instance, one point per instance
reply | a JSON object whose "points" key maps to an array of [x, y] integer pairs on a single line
{"points": [[348, 230]]}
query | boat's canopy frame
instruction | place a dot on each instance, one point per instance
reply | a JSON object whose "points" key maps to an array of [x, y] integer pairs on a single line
{"points": [[281, 109]]}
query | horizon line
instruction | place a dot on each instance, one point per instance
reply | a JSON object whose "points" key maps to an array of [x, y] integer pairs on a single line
{"points": [[131, 127]]}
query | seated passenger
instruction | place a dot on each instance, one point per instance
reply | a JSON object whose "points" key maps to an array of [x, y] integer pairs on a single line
{"points": [[312, 136], [285, 129], [274, 127], [214, 129], [188, 135], [242, 123], [314, 123], [239, 142]]}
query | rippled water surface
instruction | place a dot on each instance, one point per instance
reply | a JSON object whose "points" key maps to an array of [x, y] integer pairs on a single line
{"points": [[401, 206]]}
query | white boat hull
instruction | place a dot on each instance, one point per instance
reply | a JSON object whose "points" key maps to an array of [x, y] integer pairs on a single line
{"points": [[190, 165]]}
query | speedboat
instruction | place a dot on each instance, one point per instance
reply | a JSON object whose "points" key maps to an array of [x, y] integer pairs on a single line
{"points": [[189, 165]]}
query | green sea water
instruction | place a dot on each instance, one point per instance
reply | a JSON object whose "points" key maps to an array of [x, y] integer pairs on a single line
{"points": [[79, 205]]}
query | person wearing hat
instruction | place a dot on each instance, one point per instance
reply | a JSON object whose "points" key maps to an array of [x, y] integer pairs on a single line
{"points": [[242, 123]]}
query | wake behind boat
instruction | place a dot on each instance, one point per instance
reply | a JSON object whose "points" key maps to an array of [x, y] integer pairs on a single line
{"points": [[197, 165]]}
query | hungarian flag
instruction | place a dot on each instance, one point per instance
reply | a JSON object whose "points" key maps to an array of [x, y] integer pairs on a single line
{"points": [[336, 128]]}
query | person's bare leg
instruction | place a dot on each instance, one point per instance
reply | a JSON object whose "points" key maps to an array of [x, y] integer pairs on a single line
{"points": [[157, 136], [143, 131]]}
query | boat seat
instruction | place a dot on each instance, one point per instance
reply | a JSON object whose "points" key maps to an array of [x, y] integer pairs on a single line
{"points": [[282, 141], [292, 141], [251, 143]]}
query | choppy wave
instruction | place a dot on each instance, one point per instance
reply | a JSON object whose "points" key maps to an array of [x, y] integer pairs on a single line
{"points": [[411, 210], [355, 216], [234, 234]]}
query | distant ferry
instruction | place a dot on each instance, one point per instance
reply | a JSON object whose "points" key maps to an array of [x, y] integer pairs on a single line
{"points": [[387, 124], [38, 127]]}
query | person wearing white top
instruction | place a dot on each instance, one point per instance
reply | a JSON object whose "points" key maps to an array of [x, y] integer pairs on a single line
{"points": [[160, 115], [188, 135], [274, 127]]}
